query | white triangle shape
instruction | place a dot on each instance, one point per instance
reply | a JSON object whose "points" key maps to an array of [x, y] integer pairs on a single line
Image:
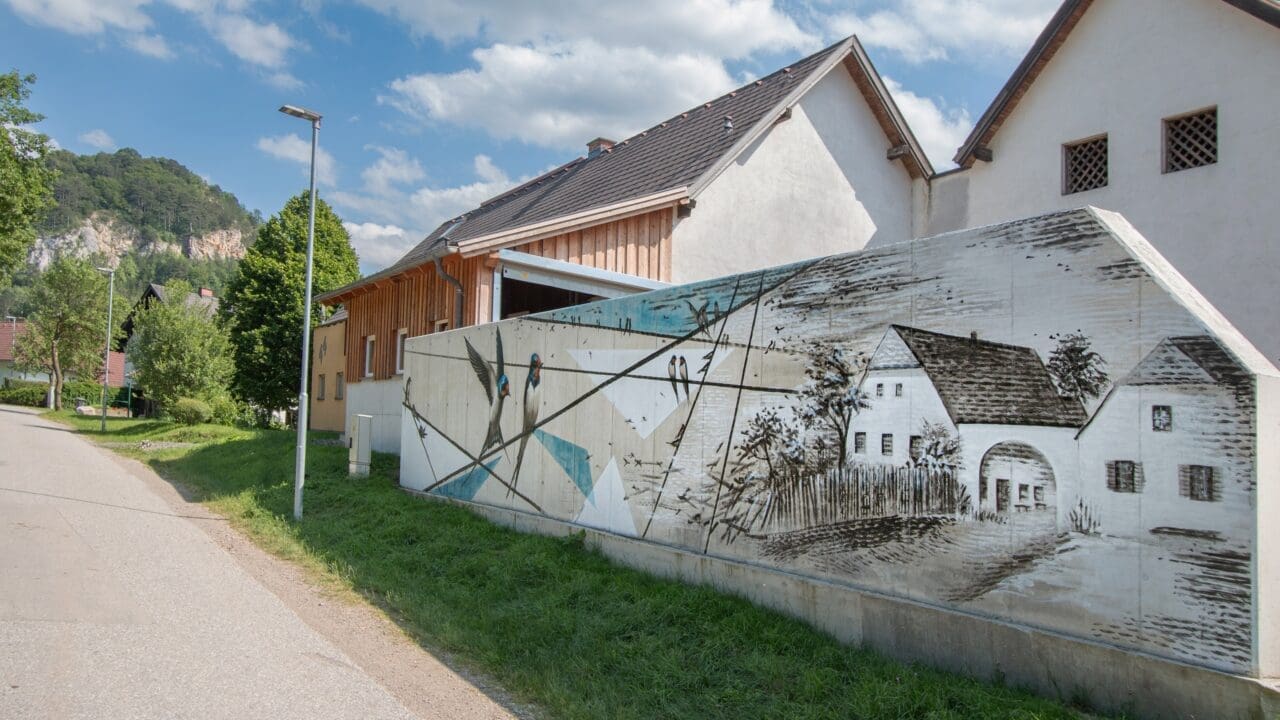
{"points": [[606, 508], [645, 398], [424, 461]]}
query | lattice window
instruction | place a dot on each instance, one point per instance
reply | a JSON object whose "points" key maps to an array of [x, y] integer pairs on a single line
{"points": [[1084, 165], [1191, 140]]}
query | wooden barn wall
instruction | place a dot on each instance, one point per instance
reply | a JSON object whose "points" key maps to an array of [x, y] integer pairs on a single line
{"points": [[416, 300]]}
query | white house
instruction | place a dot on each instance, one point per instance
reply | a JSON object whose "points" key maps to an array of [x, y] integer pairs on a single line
{"points": [[1016, 433], [1192, 469], [1162, 110]]}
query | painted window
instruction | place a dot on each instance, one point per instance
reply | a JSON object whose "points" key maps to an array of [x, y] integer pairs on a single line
{"points": [[1199, 482], [1084, 165], [400, 338], [860, 442], [982, 489], [1124, 476], [1161, 418], [320, 387], [1191, 140], [897, 390], [916, 447], [879, 389], [339, 386], [1002, 495], [368, 356], [886, 444]]}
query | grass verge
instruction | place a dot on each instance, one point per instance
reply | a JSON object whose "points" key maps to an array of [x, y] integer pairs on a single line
{"points": [[557, 625]]}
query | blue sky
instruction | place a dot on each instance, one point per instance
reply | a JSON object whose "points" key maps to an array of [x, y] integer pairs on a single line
{"points": [[432, 106]]}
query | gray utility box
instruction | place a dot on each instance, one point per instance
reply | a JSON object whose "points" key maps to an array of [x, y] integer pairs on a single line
{"points": [[359, 437]]}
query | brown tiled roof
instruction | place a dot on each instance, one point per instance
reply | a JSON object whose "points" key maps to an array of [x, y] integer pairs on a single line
{"points": [[990, 383], [1190, 359], [9, 333]]}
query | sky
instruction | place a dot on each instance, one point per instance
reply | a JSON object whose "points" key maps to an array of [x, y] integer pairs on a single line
{"points": [[432, 106]]}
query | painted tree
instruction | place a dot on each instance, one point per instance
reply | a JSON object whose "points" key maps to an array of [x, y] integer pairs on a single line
{"points": [[25, 180], [772, 440], [939, 449], [263, 307], [65, 331], [1076, 368], [178, 350], [831, 398]]}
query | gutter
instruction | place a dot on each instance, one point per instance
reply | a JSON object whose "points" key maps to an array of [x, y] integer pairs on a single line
{"points": [[457, 291]]}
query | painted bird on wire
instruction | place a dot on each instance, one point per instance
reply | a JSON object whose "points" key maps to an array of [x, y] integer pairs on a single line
{"points": [[684, 376], [532, 405], [671, 373], [496, 387]]}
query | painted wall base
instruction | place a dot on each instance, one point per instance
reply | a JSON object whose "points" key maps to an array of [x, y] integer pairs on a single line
{"points": [[1043, 662]]}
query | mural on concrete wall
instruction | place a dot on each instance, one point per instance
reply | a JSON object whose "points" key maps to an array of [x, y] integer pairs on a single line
{"points": [[1014, 421]]}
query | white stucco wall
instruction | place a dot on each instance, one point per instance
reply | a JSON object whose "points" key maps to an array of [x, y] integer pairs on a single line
{"points": [[817, 184], [381, 399], [901, 416], [1128, 65]]}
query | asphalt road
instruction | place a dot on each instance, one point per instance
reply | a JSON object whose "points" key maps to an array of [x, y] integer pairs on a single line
{"points": [[116, 604]]}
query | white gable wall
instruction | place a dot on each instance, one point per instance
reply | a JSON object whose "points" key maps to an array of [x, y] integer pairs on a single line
{"points": [[816, 184], [1125, 67]]}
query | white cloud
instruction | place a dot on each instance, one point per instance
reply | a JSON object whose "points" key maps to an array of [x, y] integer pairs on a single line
{"points": [[724, 28], [263, 44], [379, 245], [939, 130], [98, 139], [295, 149], [393, 167], [922, 30], [562, 94], [282, 80], [84, 17], [152, 45]]}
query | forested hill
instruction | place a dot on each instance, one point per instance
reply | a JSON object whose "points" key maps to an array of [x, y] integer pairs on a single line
{"points": [[160, 198]]}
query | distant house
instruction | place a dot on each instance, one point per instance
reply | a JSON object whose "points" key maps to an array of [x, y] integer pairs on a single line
{"points": [[1192, 468], [10, 331], [816, 150], [202, 297], [328, 374], [1016, 433]]}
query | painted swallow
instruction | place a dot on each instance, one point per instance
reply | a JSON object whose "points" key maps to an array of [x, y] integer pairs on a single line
{"points": [[700, 317], [496, 386], [671, 373], [531, 406], [684, 376]]}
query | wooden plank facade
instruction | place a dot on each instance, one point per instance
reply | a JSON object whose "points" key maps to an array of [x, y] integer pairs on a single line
{"points": [[418, 301]]}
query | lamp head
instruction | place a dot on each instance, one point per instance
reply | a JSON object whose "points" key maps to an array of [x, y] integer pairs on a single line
{"points": [[301, 112]]}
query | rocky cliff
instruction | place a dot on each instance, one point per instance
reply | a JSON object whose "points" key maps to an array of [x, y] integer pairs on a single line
{"points": [[103, 233]]}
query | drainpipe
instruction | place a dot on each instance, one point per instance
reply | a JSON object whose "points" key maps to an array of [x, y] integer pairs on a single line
{"points": [[457, 293]]}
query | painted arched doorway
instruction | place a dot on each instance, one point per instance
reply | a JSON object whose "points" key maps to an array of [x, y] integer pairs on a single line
{"points": [[1016, 478]]}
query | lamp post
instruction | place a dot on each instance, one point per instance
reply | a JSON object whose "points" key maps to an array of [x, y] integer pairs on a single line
{"points": [[300, 461], [106, 350]]}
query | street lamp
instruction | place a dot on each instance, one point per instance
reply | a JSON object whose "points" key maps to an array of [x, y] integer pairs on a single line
{"points": [[106, 351], [300, 461]]}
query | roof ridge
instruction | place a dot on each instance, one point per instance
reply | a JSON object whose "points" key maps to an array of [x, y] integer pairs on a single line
{"points": [[935, 333]]}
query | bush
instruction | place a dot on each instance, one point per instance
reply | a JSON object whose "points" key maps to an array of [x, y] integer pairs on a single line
{"points": [[224, 410], [29, 394], [190, 411]]}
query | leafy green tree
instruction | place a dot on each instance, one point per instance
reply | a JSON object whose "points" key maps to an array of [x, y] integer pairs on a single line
{"points": [[65, 329], [263, 306], [25, 179], [179, 350]]}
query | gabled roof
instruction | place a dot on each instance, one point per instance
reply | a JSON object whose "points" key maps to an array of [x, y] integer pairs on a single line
{"points": [[668, 163], [1043, 50], [159, 292], [1188, 360], [982, 382], [10, 331]]}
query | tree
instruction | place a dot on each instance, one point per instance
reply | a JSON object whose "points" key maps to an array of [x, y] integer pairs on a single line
{"points": [[1076, 369], [263, 307], [939, 449], [179, 350], [831, 397], [65, 329], [25, 179]]}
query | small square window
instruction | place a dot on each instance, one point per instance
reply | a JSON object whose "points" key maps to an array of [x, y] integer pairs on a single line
{"points": [[1124, 476], [1198, 482], [1084, 165], [886, 444], [1161, 418], [859, 442], [897, 390], [441, 325], [339, 386], [916, 447], [879, 389], [1039, 493], [1191, 140]]}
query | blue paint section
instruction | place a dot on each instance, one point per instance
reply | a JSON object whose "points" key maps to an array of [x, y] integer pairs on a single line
{"points": [[573, 458], [674, 312], [466, 487]]}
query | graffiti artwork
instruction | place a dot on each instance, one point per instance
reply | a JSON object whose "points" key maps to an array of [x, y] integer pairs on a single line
{"points": [[1016, 422]]}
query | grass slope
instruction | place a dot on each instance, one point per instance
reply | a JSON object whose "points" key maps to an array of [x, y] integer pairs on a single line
{"points": [[555, 624]]}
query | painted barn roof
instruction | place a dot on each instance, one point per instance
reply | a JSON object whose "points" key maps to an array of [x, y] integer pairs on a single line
{"points": [[684, 151], [1043, 50], [1189, 360], [983, 382]]}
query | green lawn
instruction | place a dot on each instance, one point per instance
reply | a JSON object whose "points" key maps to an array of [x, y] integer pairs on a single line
{"points": [[555, 624]]}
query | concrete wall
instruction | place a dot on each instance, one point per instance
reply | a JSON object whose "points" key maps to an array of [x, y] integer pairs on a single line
{"points": [[706, 419], [821, 176], [382, 400], [328, 359], [1125, 67]]}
